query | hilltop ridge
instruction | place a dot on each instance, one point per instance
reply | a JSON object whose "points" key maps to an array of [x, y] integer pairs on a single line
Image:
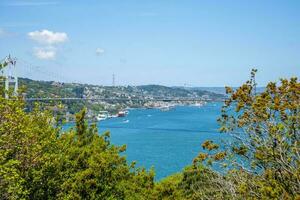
{"points": [[53, 89]]}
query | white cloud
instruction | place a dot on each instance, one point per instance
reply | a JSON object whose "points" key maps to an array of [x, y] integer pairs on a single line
{"points": [[99, 51], [47, 53], [48, 37], [49, 41]]}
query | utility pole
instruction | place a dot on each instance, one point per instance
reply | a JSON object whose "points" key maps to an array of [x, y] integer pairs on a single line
{"points": [[8, 68], [113, 80]]}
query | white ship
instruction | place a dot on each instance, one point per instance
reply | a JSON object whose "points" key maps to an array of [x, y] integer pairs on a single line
{"points": [[103, 115]]}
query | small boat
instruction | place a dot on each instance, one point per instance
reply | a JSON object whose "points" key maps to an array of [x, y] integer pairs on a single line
{"points": [[165, 108], [101, 118], [121, 114], [198, 104], [103, 115]]}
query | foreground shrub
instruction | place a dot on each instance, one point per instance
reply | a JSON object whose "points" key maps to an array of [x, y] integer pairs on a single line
{"points": [[39, 161]]}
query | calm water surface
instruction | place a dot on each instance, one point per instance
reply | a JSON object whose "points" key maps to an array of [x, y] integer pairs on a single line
{"points": [[166, 140]]}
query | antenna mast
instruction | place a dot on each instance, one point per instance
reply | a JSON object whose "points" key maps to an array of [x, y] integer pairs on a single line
{"points": [[113, 80], [8, 69]]}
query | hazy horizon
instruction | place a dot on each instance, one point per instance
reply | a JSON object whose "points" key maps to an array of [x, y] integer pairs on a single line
{"points": [[219, 88]]}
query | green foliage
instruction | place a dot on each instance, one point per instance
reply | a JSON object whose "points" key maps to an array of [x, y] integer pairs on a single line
{"points": [[200, 182], [270, 139], [3, 65], [195, 182], [38, 161], [28, 144], [169, 188]]}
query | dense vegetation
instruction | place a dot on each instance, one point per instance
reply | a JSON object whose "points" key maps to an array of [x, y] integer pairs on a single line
{"points": [[40, 161]]}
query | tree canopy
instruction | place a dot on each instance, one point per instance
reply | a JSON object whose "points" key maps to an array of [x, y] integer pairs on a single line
{"points": [[39, 161]]}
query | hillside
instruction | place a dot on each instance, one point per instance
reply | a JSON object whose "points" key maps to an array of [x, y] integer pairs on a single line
{"points": [[56, 89], [47, 89]]}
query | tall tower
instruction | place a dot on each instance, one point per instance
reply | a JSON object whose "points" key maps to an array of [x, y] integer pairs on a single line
{"points": [[8, 69], [113, 80]]}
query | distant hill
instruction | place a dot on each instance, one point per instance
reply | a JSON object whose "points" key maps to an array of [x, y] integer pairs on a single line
{"points": [[221, 90], [56, 89], [52, 89]]}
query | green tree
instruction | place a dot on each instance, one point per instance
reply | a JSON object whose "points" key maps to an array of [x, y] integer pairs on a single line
{"points": [[169, 188], [266, 131], [92, 168], [39, 161], [27, 144]]}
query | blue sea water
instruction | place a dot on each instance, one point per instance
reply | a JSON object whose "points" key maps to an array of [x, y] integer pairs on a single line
{"points": [[166, 140]]}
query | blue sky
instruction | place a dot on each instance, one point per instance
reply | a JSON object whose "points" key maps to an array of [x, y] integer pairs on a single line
{"points": [[169, 42]]}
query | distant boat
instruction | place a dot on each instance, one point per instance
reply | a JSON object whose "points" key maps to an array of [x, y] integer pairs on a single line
{"points": [[121, 114], [101, 118], [199, 104], [103, 115], [164, 108]]}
